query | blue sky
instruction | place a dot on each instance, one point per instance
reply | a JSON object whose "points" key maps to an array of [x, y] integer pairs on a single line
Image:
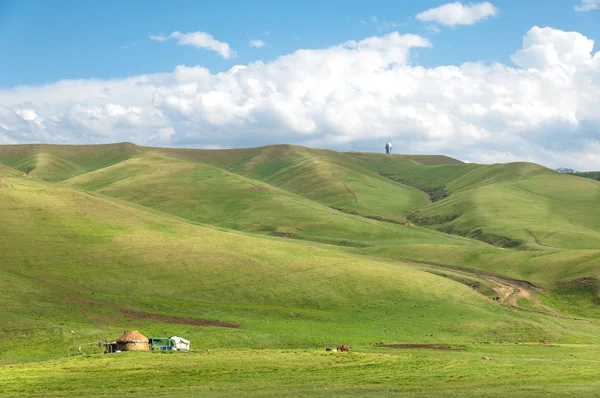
{"points": [[45, 41], [483, 81]]}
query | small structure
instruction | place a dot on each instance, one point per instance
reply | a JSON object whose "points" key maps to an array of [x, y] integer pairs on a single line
{"points": [[388, 148], [133, 341], [109, 348], [162, 343], [181, 343]]}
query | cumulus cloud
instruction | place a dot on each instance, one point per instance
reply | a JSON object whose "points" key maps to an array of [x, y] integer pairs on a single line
{"points": [[199, 40], [453, 14], [352, 96], [588, 5], [257, 43], [543, 47]]}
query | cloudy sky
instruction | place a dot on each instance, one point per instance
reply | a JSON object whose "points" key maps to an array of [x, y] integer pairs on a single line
{"points": [[484, 82]]}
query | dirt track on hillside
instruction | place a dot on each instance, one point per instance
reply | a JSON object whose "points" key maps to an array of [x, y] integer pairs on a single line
{"points": [[178, 320], [509, 291]]}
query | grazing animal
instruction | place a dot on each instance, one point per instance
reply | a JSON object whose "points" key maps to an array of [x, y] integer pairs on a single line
{"points": [[343, 348]]}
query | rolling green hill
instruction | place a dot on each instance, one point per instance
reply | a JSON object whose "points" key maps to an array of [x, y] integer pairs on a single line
{"points": [[519, 204], [60, 162], [507, 205], [6, 171], [385, 249], [203, 193], [96, 259], [334, 179]]}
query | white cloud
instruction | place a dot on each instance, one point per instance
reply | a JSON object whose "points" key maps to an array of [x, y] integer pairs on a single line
{"points": [[159, 38], [382, 26], [352, 96], [199, 40], [28, 114], [456, 13], [257, 43], [433, 29], [545, 47], [588, 5]]}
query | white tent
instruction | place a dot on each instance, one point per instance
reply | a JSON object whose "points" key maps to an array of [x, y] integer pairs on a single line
{"points": [[181, 343]]}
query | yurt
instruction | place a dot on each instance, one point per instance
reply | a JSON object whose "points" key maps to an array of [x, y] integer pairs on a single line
{"points": [[133, 341]]}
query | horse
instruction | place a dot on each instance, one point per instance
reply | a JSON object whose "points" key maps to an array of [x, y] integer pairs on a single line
{"points": [[343, 348]]}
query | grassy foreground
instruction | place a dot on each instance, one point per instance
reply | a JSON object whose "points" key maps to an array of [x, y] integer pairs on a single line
{"points": [[525, 370]]}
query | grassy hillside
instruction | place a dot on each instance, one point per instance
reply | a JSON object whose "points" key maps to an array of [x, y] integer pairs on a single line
{"points": [[73, 265], [511, 208], [6, 171], [203, 193], [332, 179], [507, 205], [328, 177], [59, 162]]}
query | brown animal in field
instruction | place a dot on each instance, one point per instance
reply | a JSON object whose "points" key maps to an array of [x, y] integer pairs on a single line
{"points": [[343, 348]]}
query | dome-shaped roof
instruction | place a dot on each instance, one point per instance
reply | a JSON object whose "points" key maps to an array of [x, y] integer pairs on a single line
{"points": [[133, 336]]}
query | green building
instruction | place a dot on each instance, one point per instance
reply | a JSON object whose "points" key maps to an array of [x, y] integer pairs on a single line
{"points": [[162, 343]]}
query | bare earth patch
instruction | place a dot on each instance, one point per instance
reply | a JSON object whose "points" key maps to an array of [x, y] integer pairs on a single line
{"points": [[179, 320], [438, 347]]}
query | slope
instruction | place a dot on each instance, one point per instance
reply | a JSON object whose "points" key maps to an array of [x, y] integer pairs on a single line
{"points": [[328, 177], [75, 268], [486, 202], [60, 162], [508, 205], [203, 193], [6, 171], [530, 205], [594, 175]]}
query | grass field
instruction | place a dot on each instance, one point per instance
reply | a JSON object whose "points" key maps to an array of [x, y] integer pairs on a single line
{"points": [[517, 369], [383, 249]]}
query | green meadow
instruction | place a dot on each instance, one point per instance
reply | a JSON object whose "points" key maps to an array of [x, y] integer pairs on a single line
{"points": [[295, 250], [520, 370]]}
